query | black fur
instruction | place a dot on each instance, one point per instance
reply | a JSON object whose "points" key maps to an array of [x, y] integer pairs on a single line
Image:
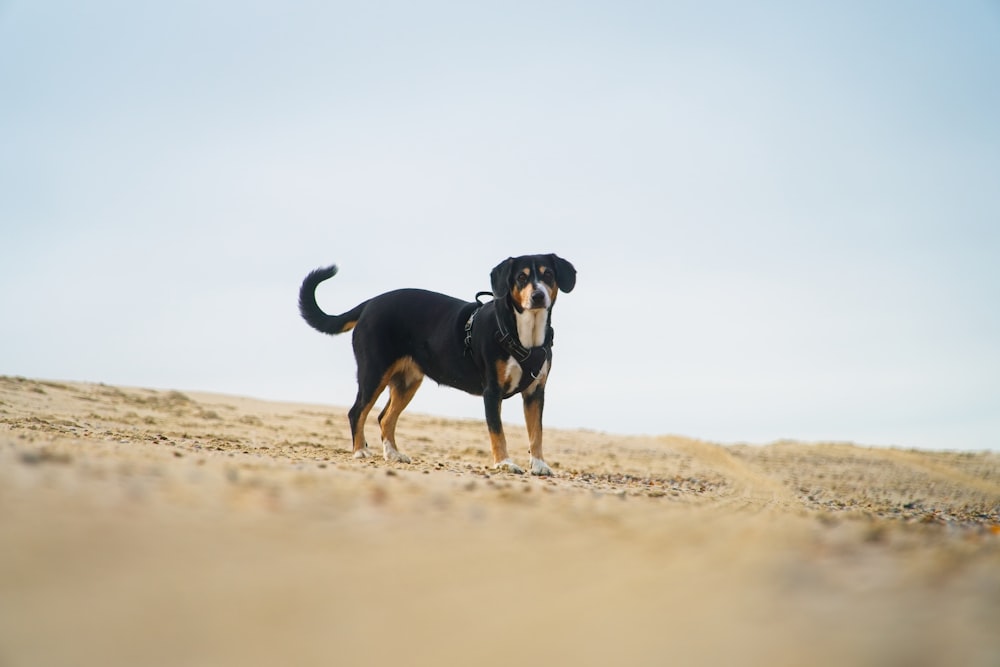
{"points": [[405, 334]]}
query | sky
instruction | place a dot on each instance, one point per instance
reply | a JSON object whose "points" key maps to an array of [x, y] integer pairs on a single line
{"points": [[785, 216]]}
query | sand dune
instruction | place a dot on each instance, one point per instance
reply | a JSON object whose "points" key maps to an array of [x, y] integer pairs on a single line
{"points": [[168, 528]]}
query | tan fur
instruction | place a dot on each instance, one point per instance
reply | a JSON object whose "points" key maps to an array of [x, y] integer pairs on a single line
{"points": [[508, 374], [552, 289], [403, 378], [403, 385], [498, 445], [523, 295], [533, 420]]}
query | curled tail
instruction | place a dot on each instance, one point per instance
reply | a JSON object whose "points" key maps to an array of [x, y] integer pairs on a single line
{"points": [[314, 315]]}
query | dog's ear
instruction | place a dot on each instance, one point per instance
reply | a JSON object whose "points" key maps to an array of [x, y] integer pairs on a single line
{"points": [[500, 278], [565, 273]]}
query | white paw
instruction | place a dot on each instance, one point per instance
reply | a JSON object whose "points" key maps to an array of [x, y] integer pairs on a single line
{"points": [[362, 453], [391, 454], [509, 466], [540, 467]]}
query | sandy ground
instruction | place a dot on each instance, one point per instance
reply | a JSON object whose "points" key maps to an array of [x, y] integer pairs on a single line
{"points": [[143, 527]]}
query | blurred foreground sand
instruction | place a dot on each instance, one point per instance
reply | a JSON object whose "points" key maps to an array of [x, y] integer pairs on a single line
{"points": [[158, 528]]}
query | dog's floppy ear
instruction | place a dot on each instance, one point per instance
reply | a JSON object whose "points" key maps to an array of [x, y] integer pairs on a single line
{"points": [[565, 273], [500, 278]]}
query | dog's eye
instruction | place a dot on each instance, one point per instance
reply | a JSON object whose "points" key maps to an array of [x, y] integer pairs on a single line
{"points": [[521, 279], [548, 277]]}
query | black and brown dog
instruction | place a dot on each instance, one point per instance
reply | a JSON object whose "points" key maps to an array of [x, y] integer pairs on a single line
{"points": [[493, 350]]}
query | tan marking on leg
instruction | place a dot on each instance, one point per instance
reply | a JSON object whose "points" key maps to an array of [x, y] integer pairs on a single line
{"points": [[534, 399], [402, 388], [359, 433], [498, 445], [405, 366], [533, 420]]}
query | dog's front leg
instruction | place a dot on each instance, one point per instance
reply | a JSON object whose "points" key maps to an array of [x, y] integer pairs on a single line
{"points": [[533, 404], [492, 399]]}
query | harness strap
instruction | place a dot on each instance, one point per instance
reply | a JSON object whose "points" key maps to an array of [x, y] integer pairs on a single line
{"points": [[530, 359], [472, 319], [510, 342], [531, 367], [468, 329]]}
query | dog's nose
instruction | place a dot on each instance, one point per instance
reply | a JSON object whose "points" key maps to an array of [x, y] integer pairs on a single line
{"points": [[538, 298]]}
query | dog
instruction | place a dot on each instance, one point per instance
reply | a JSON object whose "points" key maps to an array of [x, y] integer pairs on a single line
{"points": [[494, 349]]}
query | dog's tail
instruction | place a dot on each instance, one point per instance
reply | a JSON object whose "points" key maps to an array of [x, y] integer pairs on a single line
{"points": [[314, 315]]}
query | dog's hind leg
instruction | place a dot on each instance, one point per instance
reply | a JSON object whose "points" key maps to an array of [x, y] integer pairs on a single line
{"points": [[404, 380], [357, 416], [371, 383]]}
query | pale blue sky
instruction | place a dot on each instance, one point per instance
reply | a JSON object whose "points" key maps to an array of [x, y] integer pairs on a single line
{"points": [[785, 216]]}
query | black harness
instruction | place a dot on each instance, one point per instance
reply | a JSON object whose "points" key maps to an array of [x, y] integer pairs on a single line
{"points": [[531, 359], [472, 318]]}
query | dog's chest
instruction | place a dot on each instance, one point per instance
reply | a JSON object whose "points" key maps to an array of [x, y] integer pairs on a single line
{"points": [[514, 376], [532, 326]]}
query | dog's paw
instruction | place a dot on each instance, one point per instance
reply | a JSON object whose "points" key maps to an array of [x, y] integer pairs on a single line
{"points": [[396, 456], [509, 466], [540, 468], [393, 455], [362, 453]]}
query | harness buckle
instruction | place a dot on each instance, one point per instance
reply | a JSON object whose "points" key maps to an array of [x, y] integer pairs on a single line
{"points": [[468, 329]]}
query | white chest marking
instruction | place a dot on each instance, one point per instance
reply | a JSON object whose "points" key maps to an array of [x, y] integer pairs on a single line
{"points": [[532, 326], [512, 375]]}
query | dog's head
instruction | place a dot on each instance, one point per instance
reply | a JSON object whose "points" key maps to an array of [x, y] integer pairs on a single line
{"points": [[532, 281]]}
